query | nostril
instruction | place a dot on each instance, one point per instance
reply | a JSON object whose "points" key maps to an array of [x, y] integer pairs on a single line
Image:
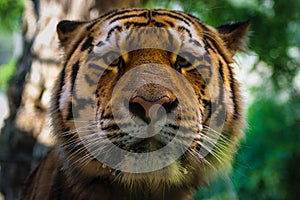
{"points": [[170, 105], [147, 109], [138, 110]]}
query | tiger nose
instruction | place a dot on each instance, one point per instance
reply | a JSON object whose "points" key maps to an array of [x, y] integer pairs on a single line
{"points": [[149, 110]]}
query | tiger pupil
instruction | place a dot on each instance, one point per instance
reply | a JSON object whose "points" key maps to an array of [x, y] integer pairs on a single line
{"points": [[182, 62]]}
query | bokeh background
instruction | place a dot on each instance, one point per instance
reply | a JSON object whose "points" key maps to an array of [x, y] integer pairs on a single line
{"points": [[267, 165]]}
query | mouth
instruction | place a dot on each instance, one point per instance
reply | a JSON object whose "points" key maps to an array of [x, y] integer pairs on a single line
{"points": [[147, 159], [146, 145], [139, 144], [143, 138]]}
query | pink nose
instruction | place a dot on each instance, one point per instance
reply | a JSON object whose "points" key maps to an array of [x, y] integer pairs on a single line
{"points": [[147, 110]]}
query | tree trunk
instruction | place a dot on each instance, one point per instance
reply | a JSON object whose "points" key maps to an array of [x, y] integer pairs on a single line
{"points": [[26, 134]]}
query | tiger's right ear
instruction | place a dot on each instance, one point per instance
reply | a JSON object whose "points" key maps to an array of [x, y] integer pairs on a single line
{"points": [[66, 31], [234, 35]]}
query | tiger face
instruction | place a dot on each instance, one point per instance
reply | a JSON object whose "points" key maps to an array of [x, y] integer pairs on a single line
{"points": [[148, 97]]}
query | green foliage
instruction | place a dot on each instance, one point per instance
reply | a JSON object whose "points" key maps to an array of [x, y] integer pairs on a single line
{"points": [[6, 71], [11, 14], [266, 166], [220, 189]]}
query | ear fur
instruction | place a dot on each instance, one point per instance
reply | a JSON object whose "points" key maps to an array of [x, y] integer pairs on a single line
{"points": [[66, 31], [234, 35]]}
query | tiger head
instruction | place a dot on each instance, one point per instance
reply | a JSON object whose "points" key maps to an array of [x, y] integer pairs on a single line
{"points": [[148, 96]]}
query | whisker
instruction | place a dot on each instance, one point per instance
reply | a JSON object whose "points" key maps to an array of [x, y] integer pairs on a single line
{"points": [[195, 154], [73, 131], [83, 160], [81, 121], [216, 132], [220, 144]]}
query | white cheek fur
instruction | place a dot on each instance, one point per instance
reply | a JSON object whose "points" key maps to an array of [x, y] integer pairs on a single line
{"points": [[64, 95], [228, 101]]}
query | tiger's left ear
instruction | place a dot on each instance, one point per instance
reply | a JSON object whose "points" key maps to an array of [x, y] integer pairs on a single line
{"points": [[234, 35], [67, 30]]}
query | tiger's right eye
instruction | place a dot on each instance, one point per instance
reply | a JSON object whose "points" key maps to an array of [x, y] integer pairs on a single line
{"points": [[113, 59], [184, 60]]}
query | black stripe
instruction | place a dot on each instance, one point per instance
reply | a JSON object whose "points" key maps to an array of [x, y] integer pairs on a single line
{"points": [[187, 16], [171, 15], [118, 28], [221, 69], [158, 24], [221, 110], [70, 111], [236, 113], [193, 19], [75, 69], [89, 80], [207, 45], [183, 129], [108, 116], [87, 43], [175, 127], [115, 13], [171, 24], [215, 49], [195, 42], [100, 44], [89, 27], [112, 13], [136, 24], [208, 111], [144, 14], [186, 30]]}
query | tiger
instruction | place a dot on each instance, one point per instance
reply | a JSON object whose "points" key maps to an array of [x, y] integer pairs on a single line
{"points": [[147, 106]]}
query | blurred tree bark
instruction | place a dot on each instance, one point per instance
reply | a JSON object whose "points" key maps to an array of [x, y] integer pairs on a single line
{"points": [[26, 134]]}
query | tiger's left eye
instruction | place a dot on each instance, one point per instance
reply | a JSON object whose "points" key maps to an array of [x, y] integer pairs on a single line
{"points": [[112, 59]]}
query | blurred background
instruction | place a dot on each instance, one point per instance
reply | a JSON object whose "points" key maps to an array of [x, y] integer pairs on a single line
{"points": [[267, 165]]}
